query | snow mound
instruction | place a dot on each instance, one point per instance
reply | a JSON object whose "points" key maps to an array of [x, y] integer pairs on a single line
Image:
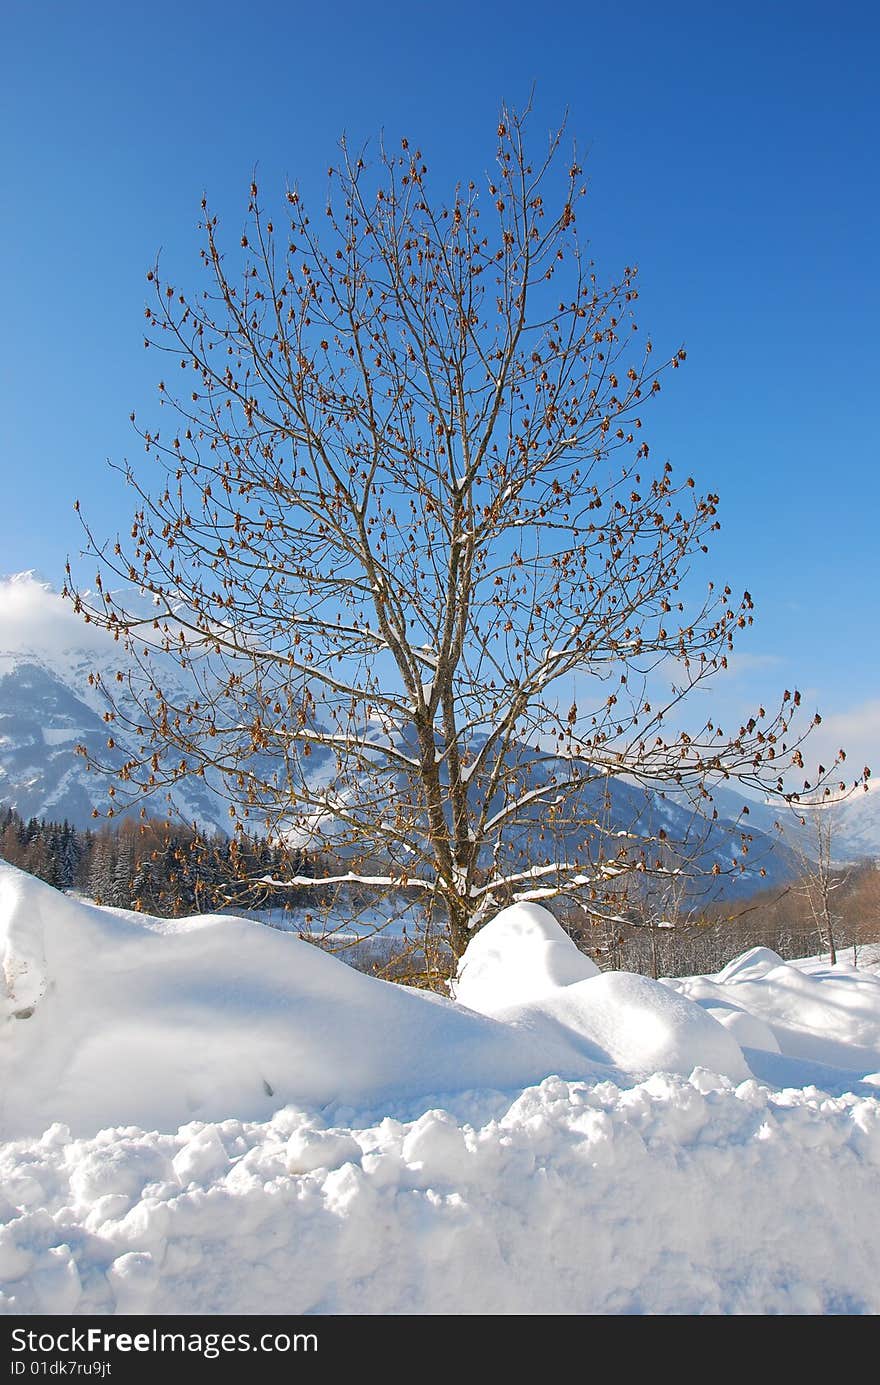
{"points": [[752, 964], [520, 954], [111, 1017], [813, 1012], [637, 1025], [748, 1030], [524, 969]]}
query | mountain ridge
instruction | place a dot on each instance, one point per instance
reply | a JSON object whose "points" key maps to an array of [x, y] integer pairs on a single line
{"points": [[50, 703]]}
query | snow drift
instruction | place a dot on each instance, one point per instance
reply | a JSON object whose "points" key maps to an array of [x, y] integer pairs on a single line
{"points": [[114, 1017], [208, 1116]]}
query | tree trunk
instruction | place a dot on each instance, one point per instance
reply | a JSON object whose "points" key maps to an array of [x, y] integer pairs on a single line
{"points": [[459, 932]]}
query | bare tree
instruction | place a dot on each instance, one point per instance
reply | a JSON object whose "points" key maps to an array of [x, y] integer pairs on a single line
{"points": [[864, 905], [822, 878], [403, 534], [663, 905]]}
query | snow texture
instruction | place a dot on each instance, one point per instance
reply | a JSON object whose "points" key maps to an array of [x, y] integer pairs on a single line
{"points": [[209, 1116]]}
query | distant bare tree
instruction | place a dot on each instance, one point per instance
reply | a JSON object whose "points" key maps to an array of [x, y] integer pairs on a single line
{"points": [[864, 905], [663, 905], [402, 521], [822, 879]]}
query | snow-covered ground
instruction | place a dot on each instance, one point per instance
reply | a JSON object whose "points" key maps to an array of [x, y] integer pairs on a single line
{"points": [[210, 1116]]}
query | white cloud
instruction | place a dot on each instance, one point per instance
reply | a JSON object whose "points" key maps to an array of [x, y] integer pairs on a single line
{"points": [[857, 731], [35, 619]]}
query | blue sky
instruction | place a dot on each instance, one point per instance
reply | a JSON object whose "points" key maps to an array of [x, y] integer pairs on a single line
{"points": [[731, 152]]}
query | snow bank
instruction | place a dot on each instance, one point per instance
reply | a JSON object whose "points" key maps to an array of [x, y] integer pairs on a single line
{"points": [[113, 1017], [208, 1116], [672, 1196]]}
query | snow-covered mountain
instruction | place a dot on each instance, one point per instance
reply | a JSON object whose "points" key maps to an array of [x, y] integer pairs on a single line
{"points": [[41, 722], [48, 707], [730, 856], [855, 823], [857, 827]]}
